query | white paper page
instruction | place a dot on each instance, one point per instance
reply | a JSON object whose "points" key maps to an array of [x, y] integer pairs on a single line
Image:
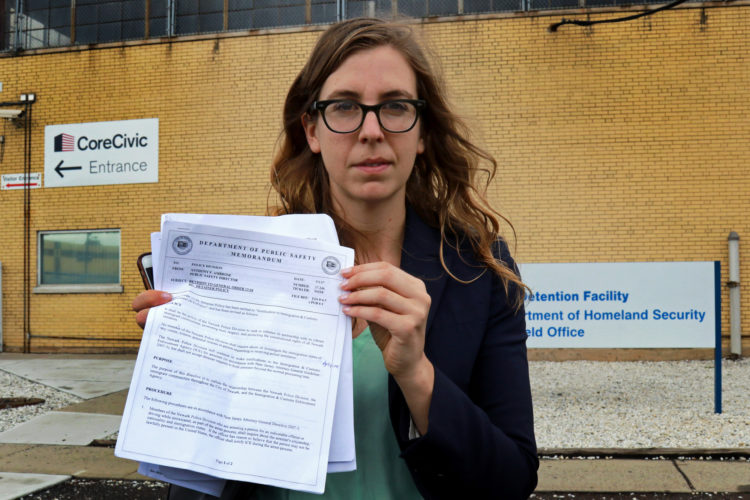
{"points": [[342, 466], [182, 477], [229, 285], [155, 249], [316, 226], [342, 440], [342, 454]]}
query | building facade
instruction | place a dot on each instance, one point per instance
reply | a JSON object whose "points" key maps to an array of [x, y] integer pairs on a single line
{"points": [[615, 142]]}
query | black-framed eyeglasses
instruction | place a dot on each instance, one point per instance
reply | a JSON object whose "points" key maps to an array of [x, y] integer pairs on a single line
{"points": [[345, 116]]}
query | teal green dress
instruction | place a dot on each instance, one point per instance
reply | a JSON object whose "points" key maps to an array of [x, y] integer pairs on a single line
{"points": [[380, 473]]}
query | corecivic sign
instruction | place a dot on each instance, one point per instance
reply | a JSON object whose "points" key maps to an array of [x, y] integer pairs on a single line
{"points": [[91, 154], [624, 304]]}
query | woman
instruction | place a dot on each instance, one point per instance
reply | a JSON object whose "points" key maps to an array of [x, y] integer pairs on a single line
{"points": [[369, 139]]}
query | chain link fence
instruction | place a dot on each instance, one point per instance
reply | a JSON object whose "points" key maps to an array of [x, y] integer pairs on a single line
{"points": [[34, 24]]}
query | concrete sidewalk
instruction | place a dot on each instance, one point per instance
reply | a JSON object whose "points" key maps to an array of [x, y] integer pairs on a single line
{"points": [[68, 443]]}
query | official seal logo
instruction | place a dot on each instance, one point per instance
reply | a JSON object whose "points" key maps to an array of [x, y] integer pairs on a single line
{"points": [[182, 245], [331, 265]]}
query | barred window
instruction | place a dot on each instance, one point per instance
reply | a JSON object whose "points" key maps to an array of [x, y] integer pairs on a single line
{"points": [[45, 23], [202, 16], [109, 21], [53, 23]]}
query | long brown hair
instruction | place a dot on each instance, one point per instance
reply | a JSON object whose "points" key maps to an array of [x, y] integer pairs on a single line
{"points": [[442, 188]]}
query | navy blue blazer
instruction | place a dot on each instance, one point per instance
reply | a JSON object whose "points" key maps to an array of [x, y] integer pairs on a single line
{"points": [[480, 442]]}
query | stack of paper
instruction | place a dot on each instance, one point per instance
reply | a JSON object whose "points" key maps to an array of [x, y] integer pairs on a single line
{"points": [[246, 374]]}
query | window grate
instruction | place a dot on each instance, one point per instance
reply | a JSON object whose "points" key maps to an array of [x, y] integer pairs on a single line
{"points": [[55, 23]]}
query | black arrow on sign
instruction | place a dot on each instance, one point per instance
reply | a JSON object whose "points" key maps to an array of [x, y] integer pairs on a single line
{"points": [[59, 168]]}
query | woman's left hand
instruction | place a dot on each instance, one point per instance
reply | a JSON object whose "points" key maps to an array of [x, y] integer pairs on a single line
{"points": [[395, 305]]}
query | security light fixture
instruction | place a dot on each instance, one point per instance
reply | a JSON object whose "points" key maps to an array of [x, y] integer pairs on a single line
{"points": [[10, 113]]}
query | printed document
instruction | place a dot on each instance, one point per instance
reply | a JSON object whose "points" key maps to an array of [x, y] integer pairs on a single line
{"points": [[341, 457], [237, 377]]}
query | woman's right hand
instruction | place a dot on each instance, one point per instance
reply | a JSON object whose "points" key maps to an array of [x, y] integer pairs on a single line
{"points": [[145, 301]]}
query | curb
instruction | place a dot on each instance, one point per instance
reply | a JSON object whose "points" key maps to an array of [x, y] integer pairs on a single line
{"points": [[646, 453]]}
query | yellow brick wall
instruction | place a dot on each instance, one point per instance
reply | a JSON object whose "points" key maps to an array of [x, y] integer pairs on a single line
{"points": [[622, 142]]}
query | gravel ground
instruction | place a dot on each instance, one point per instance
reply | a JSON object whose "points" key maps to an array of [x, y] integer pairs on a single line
{"points": [[577, 404], [91, 489], [13, 386], [102, 489], [666, 404]]}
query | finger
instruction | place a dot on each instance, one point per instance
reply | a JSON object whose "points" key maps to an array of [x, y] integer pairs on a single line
{"points": [[141, 317], [382, 297], [397, 324], [348, 272], [387, 276], [150, 298]]}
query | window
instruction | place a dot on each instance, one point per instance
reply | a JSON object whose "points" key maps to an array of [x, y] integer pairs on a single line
{"points": [[109, 21], [79, 261], [204, 16], [45, 24], [55, 23]]}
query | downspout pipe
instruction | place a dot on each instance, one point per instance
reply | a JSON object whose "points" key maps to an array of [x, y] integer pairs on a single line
{"points": [[27, 231], [735, 332]]}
